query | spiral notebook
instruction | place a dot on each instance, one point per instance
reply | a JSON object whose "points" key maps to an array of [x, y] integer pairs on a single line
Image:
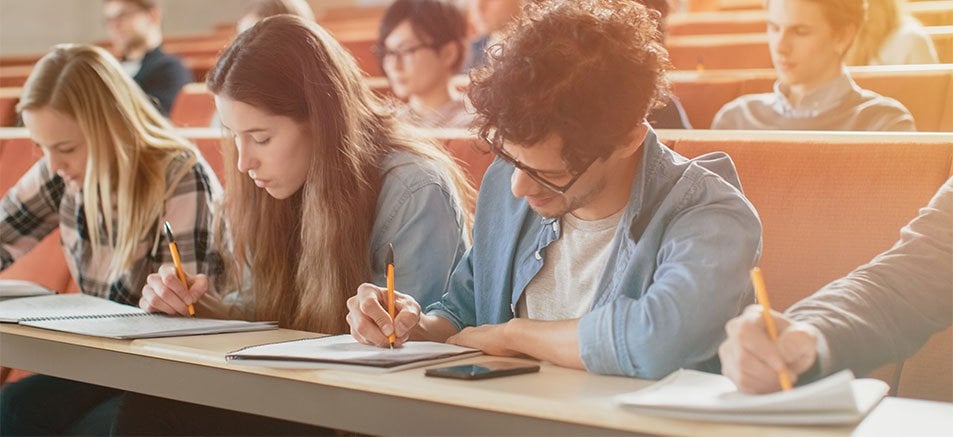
{"points": [[89, 315]]}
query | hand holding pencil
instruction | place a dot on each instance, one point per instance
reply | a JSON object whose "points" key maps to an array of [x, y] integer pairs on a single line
{"points": [[758, 362], [171, 290]]}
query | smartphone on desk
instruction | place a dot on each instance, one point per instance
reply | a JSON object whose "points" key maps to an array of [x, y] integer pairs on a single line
{"points": [[489, 369]]}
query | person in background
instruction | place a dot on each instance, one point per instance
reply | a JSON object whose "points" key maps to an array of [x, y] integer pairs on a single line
{"points": [[808, 40], [113, 170], [881, 312], [891, 36], [420, 46], [135, 31], [320, 180], [489, 18], [595, 246], [258, 10], [669, 114]]}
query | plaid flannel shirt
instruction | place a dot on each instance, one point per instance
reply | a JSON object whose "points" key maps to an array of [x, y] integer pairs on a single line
{"points": [[41, 201]]}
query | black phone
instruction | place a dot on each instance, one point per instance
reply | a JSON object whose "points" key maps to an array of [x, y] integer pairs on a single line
{"points": [[490, 369]]}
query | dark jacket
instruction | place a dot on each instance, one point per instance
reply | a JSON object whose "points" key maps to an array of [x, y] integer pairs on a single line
{"points": [[161, 76]]}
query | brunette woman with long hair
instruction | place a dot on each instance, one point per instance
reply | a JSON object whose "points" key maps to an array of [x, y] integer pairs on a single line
{"points": [[320, 180]]}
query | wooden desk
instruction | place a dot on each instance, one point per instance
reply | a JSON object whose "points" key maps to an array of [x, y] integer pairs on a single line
{"points": [[555, 401]]}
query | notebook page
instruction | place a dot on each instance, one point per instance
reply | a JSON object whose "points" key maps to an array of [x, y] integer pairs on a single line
{"points": [[343, 349], [148, 326], [11, 288], [702, 396], [61, 305]]}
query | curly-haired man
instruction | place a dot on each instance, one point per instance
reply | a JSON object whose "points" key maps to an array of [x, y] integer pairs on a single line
{"points": [[595, 246]]}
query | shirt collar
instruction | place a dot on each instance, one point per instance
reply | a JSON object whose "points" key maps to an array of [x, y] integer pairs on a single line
{"points": [[822, 99]]}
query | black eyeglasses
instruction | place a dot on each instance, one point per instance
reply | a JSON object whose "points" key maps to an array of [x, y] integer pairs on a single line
{"points": [[496, 147], [383, 53]]}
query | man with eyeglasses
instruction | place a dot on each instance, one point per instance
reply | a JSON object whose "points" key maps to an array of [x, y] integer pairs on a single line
{"points": [[135, 31], [595, 246]]}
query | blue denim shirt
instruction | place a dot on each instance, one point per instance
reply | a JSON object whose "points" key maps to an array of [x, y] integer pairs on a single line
{"points": [[417, 212], [677, 272]]}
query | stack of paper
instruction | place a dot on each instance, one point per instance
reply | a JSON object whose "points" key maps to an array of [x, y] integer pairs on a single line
{"points": [[89, 315], [11, 288], [689, 394], [343, 352]]}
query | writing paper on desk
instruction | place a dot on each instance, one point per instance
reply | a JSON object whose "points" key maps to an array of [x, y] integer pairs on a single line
{"points": [[12, 288], [89, 315], [343, 352], [690, 394], [61, 306]]}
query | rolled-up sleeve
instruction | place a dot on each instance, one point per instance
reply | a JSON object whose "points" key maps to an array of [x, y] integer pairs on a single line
{"points": [[701, 282]]}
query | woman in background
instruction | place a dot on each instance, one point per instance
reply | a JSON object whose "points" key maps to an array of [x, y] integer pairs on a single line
{"points": [[891, 36]]}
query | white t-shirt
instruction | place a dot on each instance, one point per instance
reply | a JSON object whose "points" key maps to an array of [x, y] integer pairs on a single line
{"points": [[566, 285]]}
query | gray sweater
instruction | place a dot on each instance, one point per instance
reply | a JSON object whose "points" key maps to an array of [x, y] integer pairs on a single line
{"points": [[886, 310], [838, 105]]}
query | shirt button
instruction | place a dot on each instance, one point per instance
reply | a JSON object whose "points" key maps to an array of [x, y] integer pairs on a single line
{"points": [[556, 227], [538, 256]]}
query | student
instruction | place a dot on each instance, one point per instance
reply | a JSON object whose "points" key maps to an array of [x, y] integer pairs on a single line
{"points": [[111, 160], [883, 311], [135, 30], [258, 10], [489, 18], [595, 246], [891, 36], [669, 114], [320, 181], [808, 40], [420, 46]]}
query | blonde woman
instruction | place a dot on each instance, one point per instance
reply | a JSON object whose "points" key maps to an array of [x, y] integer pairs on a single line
{"points": [[891, 36], [112, 171], [320, 180]]}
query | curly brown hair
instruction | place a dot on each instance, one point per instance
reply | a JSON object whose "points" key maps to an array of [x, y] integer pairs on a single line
{"points": [[587, 71]]}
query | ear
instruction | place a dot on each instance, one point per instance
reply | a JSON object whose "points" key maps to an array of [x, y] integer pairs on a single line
{"points": [[633, 141], [155, 15], [449, 53], [844, 38]]}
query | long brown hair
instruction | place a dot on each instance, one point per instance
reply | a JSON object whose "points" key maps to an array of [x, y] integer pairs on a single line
{"points": [[130, 144], [309, 253]]}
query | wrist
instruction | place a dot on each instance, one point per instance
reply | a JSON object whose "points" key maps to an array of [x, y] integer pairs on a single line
{"points": [[512, 330]]}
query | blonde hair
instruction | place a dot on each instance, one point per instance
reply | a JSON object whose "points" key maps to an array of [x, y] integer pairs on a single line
{"points": [[309, 253], [130, 144], [883, 18]]}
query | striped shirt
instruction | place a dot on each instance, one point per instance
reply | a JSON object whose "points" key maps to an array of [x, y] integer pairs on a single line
{"points": [[41, 201]]}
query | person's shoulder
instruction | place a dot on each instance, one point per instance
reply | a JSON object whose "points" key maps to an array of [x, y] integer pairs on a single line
{"points": [[407, 170], [876, 106], [734, 114]]}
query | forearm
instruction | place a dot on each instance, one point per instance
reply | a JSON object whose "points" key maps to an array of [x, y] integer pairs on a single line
{"points": [[554, 341], [433, 328]]}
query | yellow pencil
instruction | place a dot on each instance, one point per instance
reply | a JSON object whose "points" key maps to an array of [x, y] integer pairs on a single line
{"points": [[178, 261], [390, 294], [761, 293]]}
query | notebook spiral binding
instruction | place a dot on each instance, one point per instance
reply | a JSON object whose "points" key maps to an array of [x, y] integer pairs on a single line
{"points": [[99, 316]]}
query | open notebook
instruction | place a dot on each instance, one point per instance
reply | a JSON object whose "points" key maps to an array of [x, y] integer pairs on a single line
{"points": [[690, 394], [343, 352], [12, 288], [89, 315]]}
